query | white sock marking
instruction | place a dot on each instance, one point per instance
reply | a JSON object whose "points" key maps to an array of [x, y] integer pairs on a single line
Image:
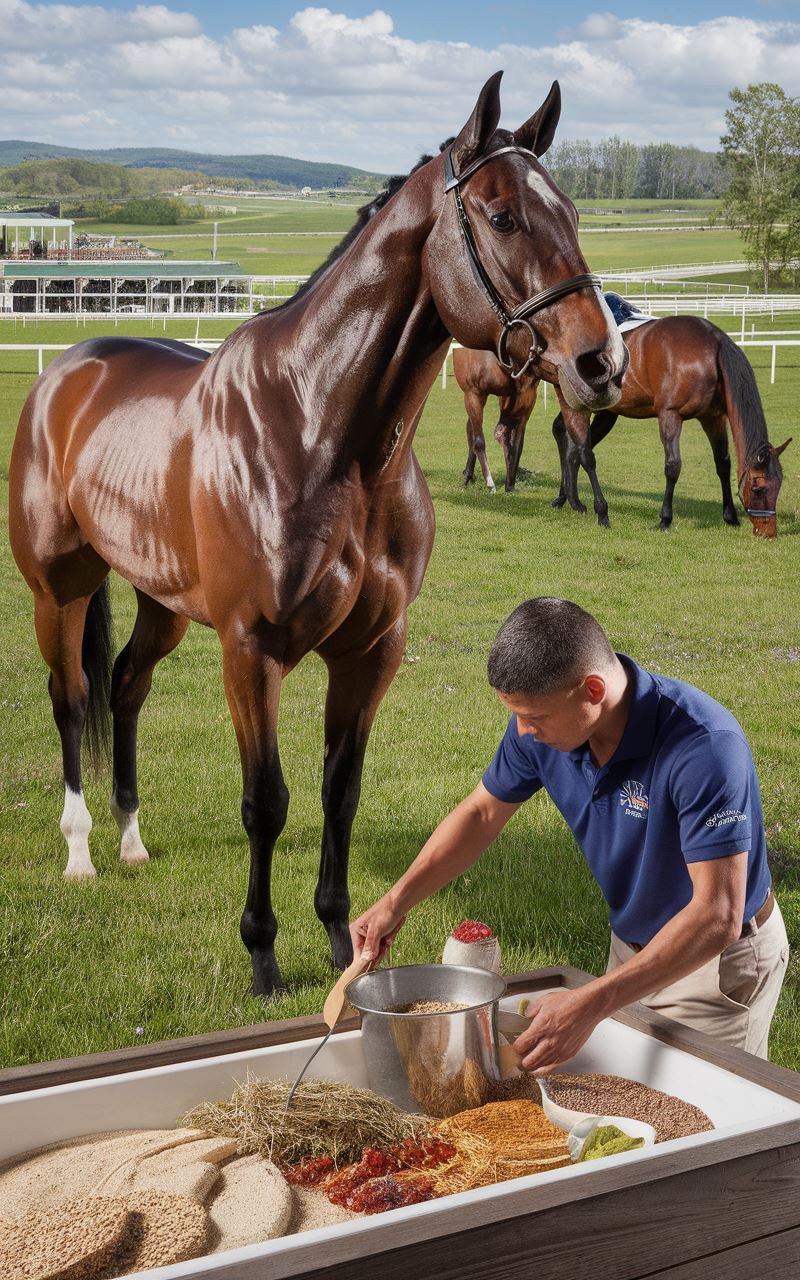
{"points": [[76, 823], [131, 849]]}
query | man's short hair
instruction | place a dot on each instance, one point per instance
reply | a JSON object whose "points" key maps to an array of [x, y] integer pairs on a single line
{"points": [[547, 645]]}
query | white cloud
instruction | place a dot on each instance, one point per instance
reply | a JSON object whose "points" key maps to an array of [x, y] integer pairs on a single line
{"points": [[328, 86]]}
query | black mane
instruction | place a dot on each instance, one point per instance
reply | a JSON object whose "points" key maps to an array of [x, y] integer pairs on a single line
{"points": [[365, 214]]}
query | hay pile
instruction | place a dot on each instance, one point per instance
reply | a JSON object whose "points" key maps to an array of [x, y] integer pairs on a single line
{"points": [[326, 1118]]}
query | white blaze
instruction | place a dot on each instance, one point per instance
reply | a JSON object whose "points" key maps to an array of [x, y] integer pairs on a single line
{"points": [[538, 183]]}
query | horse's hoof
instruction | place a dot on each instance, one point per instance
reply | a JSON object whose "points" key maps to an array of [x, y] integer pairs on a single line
{"points": [[341, 945], [511, 488], [135, 857], [665, 526], [604, 522], [579, 507], [80, 871], [731, 518], [468, 480], [267, 977], [558, 502]]}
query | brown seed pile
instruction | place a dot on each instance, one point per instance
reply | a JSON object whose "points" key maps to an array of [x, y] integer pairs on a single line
{"points": [[74, 1241], [615, 1096]]}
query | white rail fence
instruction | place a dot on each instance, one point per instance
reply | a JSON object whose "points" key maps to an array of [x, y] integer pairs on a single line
{"points": [[757, 338]]}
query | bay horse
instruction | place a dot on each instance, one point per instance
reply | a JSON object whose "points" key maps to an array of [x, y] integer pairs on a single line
{"points": [[270, 490], [685, 367], [479, 374]]}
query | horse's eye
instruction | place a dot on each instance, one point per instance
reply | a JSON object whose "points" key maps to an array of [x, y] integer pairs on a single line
{"points": [[502, 222]]}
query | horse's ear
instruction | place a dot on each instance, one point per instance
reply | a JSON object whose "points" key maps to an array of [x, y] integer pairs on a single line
{"points": [[538, 132], [780, 448], [481, 125]]}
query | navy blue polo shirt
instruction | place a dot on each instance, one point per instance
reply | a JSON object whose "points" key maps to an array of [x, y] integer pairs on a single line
{"points": [[681, 787]]}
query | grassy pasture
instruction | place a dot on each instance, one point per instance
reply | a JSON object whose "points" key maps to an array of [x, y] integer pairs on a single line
{"points": [[263, 235], [135, 957]]}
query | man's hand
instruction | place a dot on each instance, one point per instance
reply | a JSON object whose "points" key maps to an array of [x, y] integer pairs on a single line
{"points": [[374, 932], [561, 1024]]}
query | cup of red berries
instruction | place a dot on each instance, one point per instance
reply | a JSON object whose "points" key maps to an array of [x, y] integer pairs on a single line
{"points": [[474, 944]]}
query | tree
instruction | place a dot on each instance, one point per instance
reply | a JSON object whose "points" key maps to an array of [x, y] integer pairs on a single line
{"points": [[762, 152]]}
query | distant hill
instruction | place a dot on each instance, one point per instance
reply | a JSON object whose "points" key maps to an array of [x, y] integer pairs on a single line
{"points": [[284, 169]]}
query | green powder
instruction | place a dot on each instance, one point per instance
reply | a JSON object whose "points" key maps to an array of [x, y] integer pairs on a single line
{"points": [[607, 1140]]}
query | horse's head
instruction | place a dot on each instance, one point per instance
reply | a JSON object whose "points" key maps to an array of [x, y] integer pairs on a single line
{"points": [[759, 486], [504, 264]]}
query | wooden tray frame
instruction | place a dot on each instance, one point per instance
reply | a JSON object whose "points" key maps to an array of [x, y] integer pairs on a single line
{"points": [[726, 1211]]}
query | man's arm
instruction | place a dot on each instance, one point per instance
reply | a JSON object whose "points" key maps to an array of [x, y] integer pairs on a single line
{"points": [[709, 923], [455, 845]]}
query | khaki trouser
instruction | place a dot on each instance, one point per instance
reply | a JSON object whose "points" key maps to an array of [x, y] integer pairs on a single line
{"points": [[733, 996]]}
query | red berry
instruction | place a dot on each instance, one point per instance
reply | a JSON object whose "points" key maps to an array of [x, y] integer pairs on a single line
{"points": [[472, 931]]}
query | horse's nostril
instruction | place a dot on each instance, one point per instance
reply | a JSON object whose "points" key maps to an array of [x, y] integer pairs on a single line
{"points": [[594, 367]]}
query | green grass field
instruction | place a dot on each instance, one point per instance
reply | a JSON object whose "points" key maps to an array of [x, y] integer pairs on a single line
{"points": [[263, 235], [136, 957]]}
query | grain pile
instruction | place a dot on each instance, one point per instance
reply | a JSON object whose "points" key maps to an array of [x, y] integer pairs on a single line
{"points": [[606, 1095], [429, 1006], [182, 1161], [252, 1202], [75, 1241]]}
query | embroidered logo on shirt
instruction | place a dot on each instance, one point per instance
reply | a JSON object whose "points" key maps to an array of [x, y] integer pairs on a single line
{"points": [[633, 799], [724, 816]]}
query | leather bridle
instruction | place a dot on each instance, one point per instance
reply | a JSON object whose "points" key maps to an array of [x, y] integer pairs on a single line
{"points": [[520, 316], [751, 511]]}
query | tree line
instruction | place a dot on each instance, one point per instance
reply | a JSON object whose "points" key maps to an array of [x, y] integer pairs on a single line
{"points": [[614, 169]]}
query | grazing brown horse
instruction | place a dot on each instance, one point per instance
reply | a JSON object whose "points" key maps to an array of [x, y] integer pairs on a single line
{"points": [[480, 375], [685, 367], [270, 491]]}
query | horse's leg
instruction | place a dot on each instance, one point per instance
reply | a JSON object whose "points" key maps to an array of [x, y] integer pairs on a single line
{"points": [[516, 441], [669, 426], [599, 428], [475, 405], [252, 687], [59, 631], [510, 434], [354, 694], [562, 440], [155, 634], [716, 429]]}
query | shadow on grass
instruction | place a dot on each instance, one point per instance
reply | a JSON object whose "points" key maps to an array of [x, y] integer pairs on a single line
{"points": [[702, 512]]}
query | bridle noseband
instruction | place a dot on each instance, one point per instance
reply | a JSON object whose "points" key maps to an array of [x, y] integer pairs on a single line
{"points": [[751, 511], [520, 315]]}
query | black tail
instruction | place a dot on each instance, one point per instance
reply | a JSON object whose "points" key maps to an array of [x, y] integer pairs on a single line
{"points": [[742, 401], [97, 656]]}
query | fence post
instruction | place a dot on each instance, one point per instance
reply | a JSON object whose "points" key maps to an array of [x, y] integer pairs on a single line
{"points": [[772, 370]]}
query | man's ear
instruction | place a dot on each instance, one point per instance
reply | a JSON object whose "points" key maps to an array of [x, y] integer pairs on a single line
{"points": [[481, 125], [595, 687], [538, 132]]}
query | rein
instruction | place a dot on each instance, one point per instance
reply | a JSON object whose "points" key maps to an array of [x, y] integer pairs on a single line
{"points": [[520, 315]]}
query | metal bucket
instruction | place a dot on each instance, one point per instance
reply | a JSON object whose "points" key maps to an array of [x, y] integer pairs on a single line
{"points": [[434, 1063]]}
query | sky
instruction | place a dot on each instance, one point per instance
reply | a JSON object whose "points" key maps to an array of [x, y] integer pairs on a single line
{"points": [[376, 86]]}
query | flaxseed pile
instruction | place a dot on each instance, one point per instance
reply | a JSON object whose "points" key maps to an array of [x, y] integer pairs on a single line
{"points": [[615, 1096]]}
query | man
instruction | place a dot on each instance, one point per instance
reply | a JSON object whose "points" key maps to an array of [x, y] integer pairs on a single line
{"points": [[657, 783]]}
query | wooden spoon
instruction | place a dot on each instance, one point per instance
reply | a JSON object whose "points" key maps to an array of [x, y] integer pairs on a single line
{"points": [[332, 1011], [335, 1002]]}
